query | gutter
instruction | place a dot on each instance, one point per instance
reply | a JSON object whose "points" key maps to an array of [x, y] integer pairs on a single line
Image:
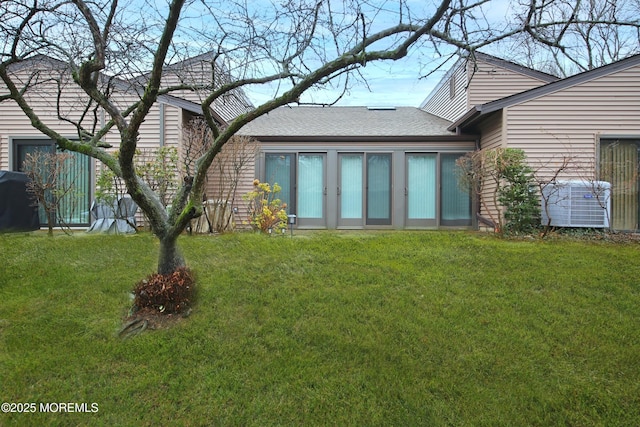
{"points": [[466, 120]]}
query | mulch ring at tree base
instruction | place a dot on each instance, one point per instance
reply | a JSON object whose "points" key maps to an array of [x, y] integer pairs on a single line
{"points": [[159, 301]]}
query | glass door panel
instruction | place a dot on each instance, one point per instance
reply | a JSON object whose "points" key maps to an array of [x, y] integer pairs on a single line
{"points": [[421, 188], [455, 203], [351, 188], [311, 189], [74, 206], [379, 189], [620, 166], [279, 170]]}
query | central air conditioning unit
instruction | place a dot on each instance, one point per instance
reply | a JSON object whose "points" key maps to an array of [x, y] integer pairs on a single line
{"points": [[576, 204]]}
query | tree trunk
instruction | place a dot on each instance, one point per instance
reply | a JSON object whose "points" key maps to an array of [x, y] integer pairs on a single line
{"points": [[50, 222], [170, 257]]}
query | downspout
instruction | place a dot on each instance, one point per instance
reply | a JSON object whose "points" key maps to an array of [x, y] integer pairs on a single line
{"points": [[161, 130]]}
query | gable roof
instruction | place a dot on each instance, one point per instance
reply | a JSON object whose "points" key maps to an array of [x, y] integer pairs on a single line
{"points": [[478, 111], [492, 60], [134, 85], [346, 123]]}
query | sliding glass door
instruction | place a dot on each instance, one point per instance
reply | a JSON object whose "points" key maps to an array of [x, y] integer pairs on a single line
{"points": [[311, 189], [379, 189], [421, 189], [364, 192], [620, 166], [74, 177], [301, 178]]}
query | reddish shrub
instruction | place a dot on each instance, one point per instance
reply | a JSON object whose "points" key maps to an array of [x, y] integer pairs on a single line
{"points": [[165, 293]]}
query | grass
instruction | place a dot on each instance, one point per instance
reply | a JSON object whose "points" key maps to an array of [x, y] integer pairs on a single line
{"points": [[384, 328]]}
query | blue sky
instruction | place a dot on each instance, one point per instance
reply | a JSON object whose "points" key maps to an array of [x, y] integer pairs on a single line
{"points": [[396, 84], [391, 83]]}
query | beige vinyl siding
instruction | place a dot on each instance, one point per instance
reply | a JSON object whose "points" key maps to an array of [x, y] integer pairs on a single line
{"points": [[172, 126], [218, 188], [15, 125], [490, 82], [492, 131], [476, 83], [569, 123], [441, 104]]}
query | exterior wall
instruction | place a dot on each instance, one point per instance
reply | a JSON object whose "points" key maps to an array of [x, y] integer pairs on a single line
{"points": [[231, 176], [441, 103], [570, 122], [492, 132], [563, 129], [489, 82], [492, 136], [398, 153], [475, 83], [161, 127]]}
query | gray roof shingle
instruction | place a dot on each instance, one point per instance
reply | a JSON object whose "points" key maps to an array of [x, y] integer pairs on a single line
{"points": [[316, 121]]}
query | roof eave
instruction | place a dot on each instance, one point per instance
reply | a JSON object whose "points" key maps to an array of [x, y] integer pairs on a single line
{"points": [[362, 138], [190, 106], [469, 118]]}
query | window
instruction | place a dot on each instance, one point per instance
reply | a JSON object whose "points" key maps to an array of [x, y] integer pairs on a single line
{"points": [[455, 204], [421, 186], [302, 181], [74, 207], [619, 165], [364, 189], [452, 87], [279, 169]]}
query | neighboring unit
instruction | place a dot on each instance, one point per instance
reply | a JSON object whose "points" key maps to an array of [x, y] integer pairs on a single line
{"points": [[585, 126]]}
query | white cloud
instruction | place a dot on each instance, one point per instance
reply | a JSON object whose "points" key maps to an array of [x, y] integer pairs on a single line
{"points": [[395, 84]]}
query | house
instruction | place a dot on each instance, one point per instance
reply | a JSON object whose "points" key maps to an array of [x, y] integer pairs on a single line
{"points": [[587, 122], [163, 126], [359, 167], [584, 127], [384, 167], [394, 168]]}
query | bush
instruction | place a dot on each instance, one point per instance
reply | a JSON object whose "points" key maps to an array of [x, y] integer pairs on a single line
{"points": [[501, 177], [267, 213], [165, 293], [518, 195]]}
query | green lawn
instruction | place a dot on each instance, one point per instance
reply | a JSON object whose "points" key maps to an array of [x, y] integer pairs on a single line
{"points": [[359, 329]]}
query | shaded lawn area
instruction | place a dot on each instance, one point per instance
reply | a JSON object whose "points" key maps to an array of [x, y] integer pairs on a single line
{"points": [[384, 328]]}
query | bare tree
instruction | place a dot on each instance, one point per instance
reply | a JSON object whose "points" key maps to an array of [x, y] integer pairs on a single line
{"points": [[227, 170], [101, 47], [504, 185], [564, 37], [52, 184]]}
